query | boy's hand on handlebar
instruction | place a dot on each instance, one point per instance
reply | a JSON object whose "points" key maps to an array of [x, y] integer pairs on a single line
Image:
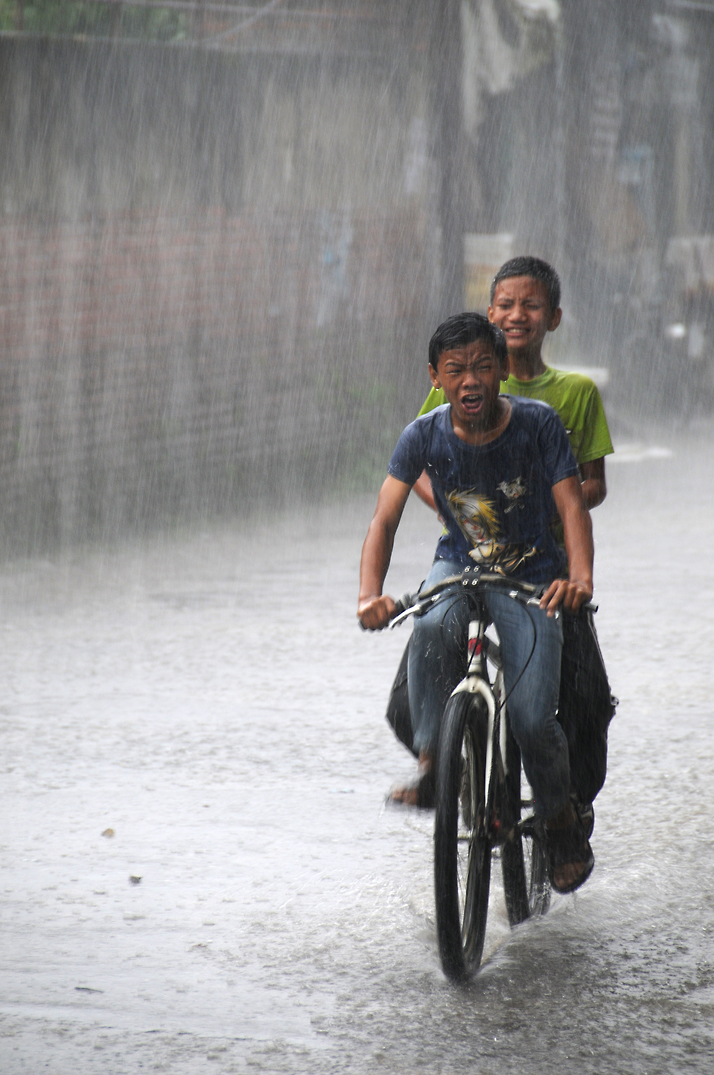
{"points": [[374, 613], [570, 593]]}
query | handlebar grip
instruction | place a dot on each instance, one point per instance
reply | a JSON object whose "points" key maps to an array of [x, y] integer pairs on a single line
{"points": [[403, 603]]}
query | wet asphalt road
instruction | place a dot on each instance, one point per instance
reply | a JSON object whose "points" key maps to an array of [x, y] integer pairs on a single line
{"points": [[218, 711]]}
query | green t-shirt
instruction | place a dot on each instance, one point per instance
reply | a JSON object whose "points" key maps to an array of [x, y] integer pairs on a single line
{"points": [[576, 399]]}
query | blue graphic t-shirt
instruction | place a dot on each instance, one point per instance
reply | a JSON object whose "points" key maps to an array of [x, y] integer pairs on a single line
{"points": [[495, 499]]}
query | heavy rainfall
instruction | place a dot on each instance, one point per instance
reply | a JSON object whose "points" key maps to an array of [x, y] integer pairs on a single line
{"points": [[227, 232]]}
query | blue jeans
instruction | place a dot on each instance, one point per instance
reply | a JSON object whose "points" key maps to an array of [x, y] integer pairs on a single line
{"points": [[437, 662]]}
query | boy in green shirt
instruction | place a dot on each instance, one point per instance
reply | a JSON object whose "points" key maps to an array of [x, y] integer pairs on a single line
{"points": [[525, 304]]}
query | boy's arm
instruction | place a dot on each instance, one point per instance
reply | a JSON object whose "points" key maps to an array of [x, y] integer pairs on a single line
{"points": [[594, 443], [578, 587], [592, 477], [374, 609], [422, 488]]}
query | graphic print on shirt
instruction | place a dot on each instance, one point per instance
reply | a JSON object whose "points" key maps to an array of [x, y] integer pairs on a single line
{"points": [[514, 492], [477, 519]]}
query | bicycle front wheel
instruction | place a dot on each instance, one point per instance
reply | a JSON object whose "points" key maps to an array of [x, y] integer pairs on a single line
{"points": [[462, 846]]}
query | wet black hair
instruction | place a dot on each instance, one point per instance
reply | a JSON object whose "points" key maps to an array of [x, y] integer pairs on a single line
{"points": [[537, 270], [462, 329]]}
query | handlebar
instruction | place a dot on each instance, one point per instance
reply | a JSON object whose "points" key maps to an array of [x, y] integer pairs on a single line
{"points": [[475, 580]]}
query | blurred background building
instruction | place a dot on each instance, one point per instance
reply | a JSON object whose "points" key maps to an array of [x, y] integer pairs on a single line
{"points": [[227, 231]]}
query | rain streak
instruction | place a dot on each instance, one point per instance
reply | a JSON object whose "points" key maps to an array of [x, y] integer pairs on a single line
{"points": [[227, 233]]}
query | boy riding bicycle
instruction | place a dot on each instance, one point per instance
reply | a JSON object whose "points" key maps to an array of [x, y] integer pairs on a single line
{"points": [[502, 471], [524, 303]]}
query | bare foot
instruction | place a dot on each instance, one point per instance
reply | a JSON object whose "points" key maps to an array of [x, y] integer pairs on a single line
{"points": [[421, 792]]}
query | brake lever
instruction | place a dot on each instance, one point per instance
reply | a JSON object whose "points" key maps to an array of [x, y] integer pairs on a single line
{"points": [[417, 609], [403, 615]]}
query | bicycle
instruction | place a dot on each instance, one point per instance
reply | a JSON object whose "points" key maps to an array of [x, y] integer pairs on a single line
{"points": [[480, 790]]}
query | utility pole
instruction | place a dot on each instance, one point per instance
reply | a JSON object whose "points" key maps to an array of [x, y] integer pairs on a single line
{"points": [[199, 20], [446, 80], [115, 25]]}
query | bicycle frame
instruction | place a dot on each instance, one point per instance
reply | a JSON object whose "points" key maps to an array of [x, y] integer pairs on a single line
{"points": [[480, 649], [478, 797]]}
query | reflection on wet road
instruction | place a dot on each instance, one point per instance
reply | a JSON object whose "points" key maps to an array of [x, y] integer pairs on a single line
{"points": [[218, 709]]}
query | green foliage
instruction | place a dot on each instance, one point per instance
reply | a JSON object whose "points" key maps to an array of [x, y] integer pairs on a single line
{"points": [[93, 19]]}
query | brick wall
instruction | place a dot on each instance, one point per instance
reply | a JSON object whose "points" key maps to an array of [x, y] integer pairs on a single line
{"points": [[169, 351], [155, 364]]}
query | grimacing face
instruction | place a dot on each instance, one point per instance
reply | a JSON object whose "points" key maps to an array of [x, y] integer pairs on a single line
{"points": [[471, 379]]}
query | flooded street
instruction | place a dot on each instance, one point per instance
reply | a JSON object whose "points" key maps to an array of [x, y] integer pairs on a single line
{"points": [[198, 872]]}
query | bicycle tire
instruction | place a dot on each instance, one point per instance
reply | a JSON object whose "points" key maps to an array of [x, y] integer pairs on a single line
{"points": [[524, 864], [539, 890], [462, 845]]}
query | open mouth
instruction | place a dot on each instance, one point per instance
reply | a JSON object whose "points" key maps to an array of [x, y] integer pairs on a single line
{"points": [[472, 403]]}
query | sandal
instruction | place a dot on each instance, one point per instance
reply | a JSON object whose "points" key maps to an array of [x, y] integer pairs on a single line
{"points": [[569, 847], [586, 813], [420, 794]]}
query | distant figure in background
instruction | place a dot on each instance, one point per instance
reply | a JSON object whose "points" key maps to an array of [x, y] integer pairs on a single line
{"points": [[525, 305]]}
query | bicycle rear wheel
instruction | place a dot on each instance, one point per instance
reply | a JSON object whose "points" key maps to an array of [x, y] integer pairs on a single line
{"points": [[462, 845], [523, 857]]}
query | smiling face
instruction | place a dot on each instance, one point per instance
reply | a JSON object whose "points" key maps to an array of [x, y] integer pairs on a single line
{"points": [[521, 309], [471, 379]]}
